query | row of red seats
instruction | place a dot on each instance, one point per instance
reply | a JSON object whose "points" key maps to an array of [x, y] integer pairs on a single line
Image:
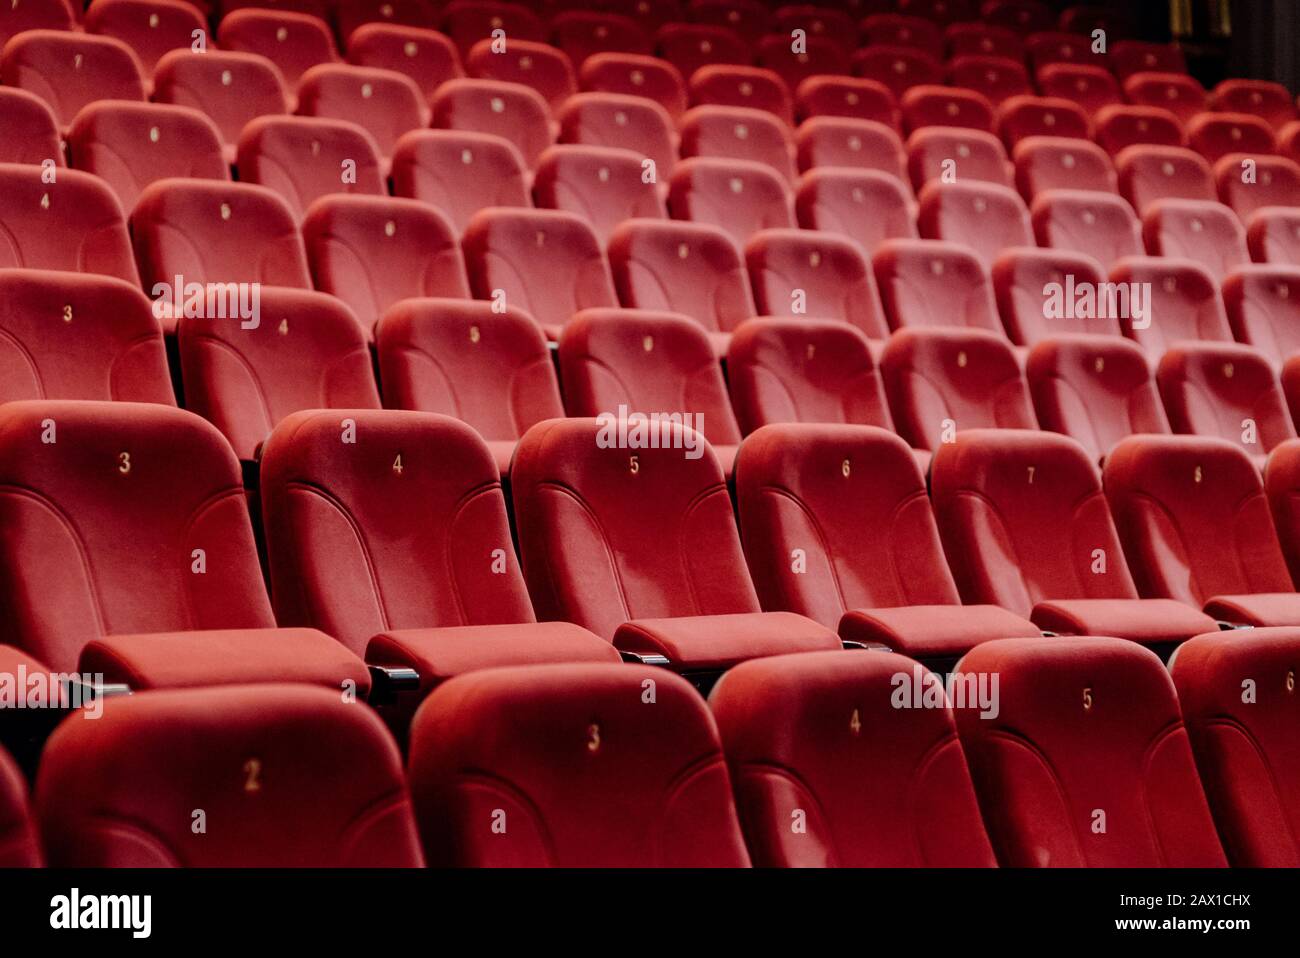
{"points": [[418, 577], [385, 569], [797, 760]]}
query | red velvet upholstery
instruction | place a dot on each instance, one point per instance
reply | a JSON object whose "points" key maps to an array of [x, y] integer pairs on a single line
{"points": [[294, 42], [462, 359], [1087, 223], [816, 739], [460, 172], [803, 370], [546, 262], [1148, 173], [404, 528], [604, 186], [384, 103], [1087, 763], [1207, 233], [373, 251], [305, 158], [1021, 278], [130, 145], [307, 351], [1095, 389], [739, 196], [1025, 526], [18, 844], [926, 283], [565, 766], [71, 336], [1193, 517], [38, 61], [837, 527], [1237, 692], [508, 110], [820, 275], [127, 790]]}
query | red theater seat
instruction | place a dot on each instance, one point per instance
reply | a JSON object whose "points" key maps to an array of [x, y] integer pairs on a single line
{"points": [[1271, 102], [70, 336], [305, 158], [814, 274], [867, 206], [507, 110], [671, 580], [1093, 224], [208, 232], [1025, 526], [942, 381], [1274, 236], [1182, 304], [850, 144], [737, 133], [399, 544], [929, 283], [1192, 514], [847, 97], [689, 46], [352, 15], [948, 154], [18, 843], [73, 224], [1061, 163], [1089, 87], [897, 68], [1046, 46], [604, 186], [630, 74], [130, 145], [1244, 752], [998, 78], [1215, 135], [69, 70], [545, 262], [1023, 16], [1263, 304], [1024, 116], [624, 123], [586, 36], [1087, 763], [1247, 183], [978, 38], [932, 105], [750, 87], [1095, 389], [634, 787], [371, 251], [1148, 173], [539, 66], [901, 30], [647, 362], [1135, 56], [894, 792], [469, 21], [1039, 291], [738, 196], [150, 28], [384, 103], [427, 57], [230, 88], [803, 370], [822, 56], [35, 15], [294, 42], [459, 172], [686, 268], [1125, 125], [1225, 390], [129, 552], [284, 775], [501, 382], [1178, 93], [306, 351], [807, 494], [816, 20], [29, 132], [983, 217], [1205, 232]]}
